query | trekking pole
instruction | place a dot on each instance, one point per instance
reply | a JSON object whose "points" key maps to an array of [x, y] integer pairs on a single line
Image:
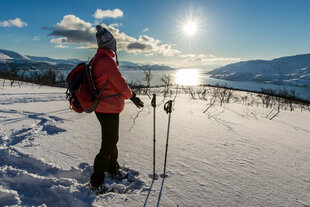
{"points": [[154, 135], [168, 109]]}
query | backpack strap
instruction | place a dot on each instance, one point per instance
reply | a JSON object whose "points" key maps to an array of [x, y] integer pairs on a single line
{"points": [[100, 93], [97, 100], [109, 96]]}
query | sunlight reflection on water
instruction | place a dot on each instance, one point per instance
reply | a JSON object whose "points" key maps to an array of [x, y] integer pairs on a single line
{"points": [[188, 77]]}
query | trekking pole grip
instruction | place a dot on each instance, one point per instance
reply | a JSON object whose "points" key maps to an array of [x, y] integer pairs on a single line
{"points": [[168, 107], [154, 101]]}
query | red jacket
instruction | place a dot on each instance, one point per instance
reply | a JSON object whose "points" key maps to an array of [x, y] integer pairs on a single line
{"points": [[105, 69]]}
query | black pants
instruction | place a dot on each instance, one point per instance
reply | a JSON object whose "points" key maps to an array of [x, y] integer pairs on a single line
{"points": [[106, 159]]}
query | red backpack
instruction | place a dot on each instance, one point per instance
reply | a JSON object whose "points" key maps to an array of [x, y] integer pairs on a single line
{"points": [[81, 90]]}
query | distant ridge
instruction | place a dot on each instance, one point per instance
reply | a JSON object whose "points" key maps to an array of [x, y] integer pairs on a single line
{"points": [[289, 70], [7, 56], [55, 61]]}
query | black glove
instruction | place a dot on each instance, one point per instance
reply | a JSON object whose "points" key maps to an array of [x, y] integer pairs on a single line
{"points": [[136, 101]]}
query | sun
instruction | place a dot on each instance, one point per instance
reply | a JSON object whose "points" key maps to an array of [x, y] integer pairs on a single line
{"points": [[190, 28]]}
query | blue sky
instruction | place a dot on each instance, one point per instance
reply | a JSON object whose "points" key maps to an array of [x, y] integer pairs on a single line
{"points": [[152, 31]]}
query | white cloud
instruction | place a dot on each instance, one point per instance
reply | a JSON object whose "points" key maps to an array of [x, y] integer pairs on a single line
{"points": [[59, 40], [17, 22], [73, 30], [207, 58], [36, 38], [71, 22], [89, 46], [191, 60], [146, 29], [5, 24], [144, 44], [96, 22], [61, 46], [115, 13], [116, 25]]}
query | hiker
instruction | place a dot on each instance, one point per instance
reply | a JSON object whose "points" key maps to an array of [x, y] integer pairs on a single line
{"points": [[106, 69]]}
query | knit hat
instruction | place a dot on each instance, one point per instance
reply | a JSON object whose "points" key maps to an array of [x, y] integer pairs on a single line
{"points": [[106, 40]]}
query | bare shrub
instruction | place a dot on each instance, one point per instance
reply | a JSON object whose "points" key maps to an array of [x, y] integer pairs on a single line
{"points": [[212, 100], [147, 78], [202, 95], [166, 79]]}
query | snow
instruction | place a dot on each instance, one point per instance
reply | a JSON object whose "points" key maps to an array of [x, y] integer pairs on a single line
{"points": [[4, 57], [229, 156]]}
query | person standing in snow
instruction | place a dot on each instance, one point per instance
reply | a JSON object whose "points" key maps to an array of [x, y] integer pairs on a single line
{"points": [[106, 74]]}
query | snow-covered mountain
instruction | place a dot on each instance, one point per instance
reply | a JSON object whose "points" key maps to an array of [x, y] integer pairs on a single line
{"points": [[127, 65], [55, 61], [7, 58], [291, 70]]}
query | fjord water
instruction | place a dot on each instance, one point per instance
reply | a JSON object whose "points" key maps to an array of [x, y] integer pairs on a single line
{"points": [[192, 77]]}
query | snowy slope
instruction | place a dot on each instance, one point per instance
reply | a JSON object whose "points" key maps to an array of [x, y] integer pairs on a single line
{"points": [[292, 70], [4, 57], [14, 55], [230, 156]]}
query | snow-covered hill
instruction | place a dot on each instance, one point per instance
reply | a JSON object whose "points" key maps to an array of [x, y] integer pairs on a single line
{"points": [[230, 156], [292, 70]]}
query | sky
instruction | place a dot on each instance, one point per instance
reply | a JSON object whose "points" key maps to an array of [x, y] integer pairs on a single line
{"points": [[178, 33]]}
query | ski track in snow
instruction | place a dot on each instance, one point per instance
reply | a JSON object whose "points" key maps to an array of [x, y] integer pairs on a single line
{"points": [[229, 156]]}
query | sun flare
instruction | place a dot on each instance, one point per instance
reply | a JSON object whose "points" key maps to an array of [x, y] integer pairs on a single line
{"points": [[190, 28]]}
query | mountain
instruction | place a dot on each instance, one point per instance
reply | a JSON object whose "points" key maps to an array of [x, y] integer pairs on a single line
{"points": [[55, 61], [127, 65], [11, 59], [291, 70], [11, 56]]}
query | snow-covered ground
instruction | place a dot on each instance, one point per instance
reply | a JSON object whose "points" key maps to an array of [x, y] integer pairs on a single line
{"points": [[230, 156]]}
